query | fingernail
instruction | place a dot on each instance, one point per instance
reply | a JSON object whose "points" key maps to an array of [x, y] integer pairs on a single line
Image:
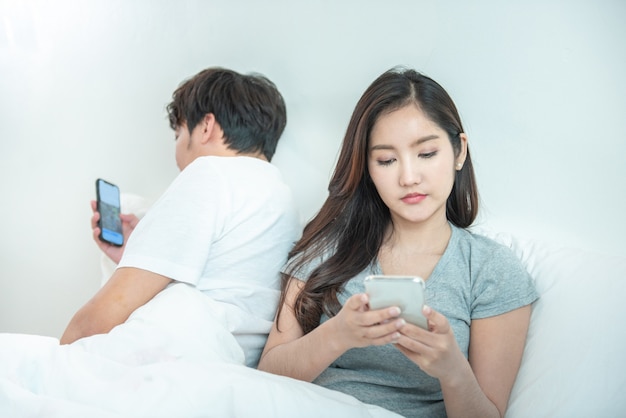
{"points": [[400, 323], [426, 309], [395, 311]]}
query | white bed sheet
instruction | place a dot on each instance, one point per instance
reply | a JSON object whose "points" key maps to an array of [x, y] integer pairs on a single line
{"points": [[174, 357]]}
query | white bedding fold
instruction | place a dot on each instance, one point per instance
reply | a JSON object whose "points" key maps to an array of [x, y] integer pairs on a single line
{"points": [[173, 357]]}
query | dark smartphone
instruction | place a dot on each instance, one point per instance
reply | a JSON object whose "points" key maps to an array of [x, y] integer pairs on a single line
{"points": [[108, 204]]}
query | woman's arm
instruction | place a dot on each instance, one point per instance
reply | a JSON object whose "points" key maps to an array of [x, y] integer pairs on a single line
{"points": [[495, 354], [290, 353], [481, 386]]}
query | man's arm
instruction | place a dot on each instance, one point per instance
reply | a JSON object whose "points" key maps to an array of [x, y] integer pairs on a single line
{"points": [[128, 289]]}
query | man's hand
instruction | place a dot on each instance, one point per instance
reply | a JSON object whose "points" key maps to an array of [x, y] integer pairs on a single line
{"points": [[129, 222]]}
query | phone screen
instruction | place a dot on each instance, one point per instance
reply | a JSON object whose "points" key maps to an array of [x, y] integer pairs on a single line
{"points": [[109, 207]]}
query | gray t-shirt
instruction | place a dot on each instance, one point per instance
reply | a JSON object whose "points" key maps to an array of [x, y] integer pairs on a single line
{"points": [[475, 278]]}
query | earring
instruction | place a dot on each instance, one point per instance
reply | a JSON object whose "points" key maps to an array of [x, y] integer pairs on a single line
{"points": [[459, 166]]}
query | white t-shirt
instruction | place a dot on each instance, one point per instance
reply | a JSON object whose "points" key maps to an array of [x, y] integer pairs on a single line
{"points": [[225, 226]]}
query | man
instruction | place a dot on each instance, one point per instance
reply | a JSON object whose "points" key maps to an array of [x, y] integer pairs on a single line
{"points": [[226, 222]]}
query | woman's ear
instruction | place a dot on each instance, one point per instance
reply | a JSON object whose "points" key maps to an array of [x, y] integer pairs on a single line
{"points": [[460, 159]]}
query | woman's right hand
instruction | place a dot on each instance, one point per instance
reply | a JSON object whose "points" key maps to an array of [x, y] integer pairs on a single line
{"points": [[358, 326], [129, 222]]}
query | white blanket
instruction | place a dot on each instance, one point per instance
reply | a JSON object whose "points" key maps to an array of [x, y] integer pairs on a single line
{"points": [[174, 357]]}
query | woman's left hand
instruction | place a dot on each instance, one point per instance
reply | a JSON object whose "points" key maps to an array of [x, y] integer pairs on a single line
{"points": [[435, 351]]}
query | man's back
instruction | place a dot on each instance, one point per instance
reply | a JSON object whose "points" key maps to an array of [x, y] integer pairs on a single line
{"points": [[225, 226]]}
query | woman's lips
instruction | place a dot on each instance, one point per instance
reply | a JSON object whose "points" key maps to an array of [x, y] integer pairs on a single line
{"points": [[413, 198]]}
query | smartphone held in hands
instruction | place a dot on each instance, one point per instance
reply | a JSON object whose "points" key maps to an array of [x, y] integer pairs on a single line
{"points": [[108, 204], [405, 292]]}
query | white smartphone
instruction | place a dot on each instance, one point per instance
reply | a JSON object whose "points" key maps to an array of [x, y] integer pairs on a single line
{"points": [[405, 292]]}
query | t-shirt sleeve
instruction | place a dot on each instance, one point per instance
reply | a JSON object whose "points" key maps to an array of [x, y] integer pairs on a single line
{"points": [[501, 284], [175, 236]]}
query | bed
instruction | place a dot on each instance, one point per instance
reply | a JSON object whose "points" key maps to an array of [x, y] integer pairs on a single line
{"points": [[162, 364], [157, 364]]}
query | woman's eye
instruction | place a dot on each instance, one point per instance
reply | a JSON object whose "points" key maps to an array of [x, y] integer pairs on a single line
{"points": [[428, 154], [386, 162]]}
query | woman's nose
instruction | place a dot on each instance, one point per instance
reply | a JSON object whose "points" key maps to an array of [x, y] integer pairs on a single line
{"points": [[409, 174]]}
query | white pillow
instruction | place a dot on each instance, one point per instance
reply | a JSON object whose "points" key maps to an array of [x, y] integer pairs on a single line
{"points": [[574, 363]]}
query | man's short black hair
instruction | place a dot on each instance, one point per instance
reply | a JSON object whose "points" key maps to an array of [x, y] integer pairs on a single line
{"points": [[249, 108]]}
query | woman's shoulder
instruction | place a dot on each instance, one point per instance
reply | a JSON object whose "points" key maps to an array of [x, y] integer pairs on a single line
{"points": [[477, 241], [498, 278], [482, 248]]}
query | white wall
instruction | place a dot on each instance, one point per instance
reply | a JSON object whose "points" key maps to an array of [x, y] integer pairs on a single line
{"points": [[83, 86]]}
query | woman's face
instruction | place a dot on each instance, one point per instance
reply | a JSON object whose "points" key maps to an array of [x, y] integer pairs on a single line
{"points": [[412, 164]]}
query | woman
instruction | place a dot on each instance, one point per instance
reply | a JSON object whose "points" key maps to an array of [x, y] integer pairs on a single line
{"points": [[401, 196]]}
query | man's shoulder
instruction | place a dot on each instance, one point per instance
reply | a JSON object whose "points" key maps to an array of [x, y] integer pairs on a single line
{"points": [[228, 165], [230, 161]]}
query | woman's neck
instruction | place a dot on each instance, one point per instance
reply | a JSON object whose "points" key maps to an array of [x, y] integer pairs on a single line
{"points": [[415, 250], [425, 238]]}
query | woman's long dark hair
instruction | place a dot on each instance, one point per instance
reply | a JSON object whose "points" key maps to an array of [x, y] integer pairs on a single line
{"points": [[351, 224]]}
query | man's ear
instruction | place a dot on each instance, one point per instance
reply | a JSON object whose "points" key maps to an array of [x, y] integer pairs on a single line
{"points": [[209, 128]]}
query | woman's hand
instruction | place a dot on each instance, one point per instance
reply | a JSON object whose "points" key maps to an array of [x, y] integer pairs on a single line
{"points": [[357, 326], [435, 351], [129, 222]]}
